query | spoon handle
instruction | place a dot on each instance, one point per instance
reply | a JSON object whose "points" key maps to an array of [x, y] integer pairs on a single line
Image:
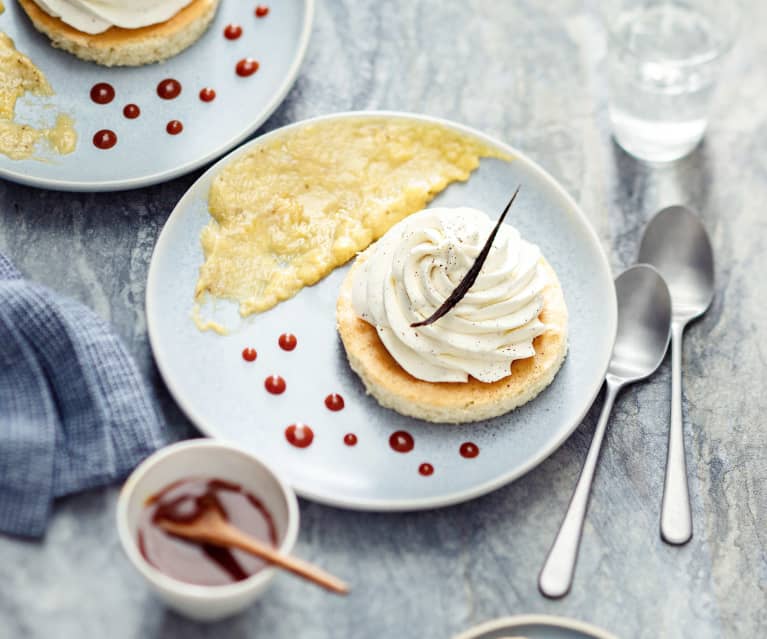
{"points": [[233, 537], [557, 574], [676, 518]]}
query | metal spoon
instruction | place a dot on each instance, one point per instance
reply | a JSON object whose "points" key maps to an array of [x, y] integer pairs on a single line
{"points": [[676, 243], [644, 321]]}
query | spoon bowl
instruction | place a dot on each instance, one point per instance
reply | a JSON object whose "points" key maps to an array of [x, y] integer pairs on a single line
{"points": [[644, 318], [676, 243]]}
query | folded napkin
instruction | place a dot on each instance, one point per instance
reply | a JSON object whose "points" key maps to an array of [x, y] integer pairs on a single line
{"points": [[74, 411]]}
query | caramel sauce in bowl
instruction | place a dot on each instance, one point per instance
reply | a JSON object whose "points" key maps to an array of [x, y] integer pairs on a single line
{"points": [[221, 462]]}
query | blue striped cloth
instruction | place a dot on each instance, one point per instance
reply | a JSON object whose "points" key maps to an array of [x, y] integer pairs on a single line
{"points": [[74, 411]]}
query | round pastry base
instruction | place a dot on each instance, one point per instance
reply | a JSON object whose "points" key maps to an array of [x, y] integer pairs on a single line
{"points": [[127, 47]]}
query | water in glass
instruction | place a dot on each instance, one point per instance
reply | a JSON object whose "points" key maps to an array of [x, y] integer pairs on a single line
{"points": [[663, 63]]}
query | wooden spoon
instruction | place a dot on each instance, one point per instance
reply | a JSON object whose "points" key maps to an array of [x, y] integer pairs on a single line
{"points": [[211, 527]]}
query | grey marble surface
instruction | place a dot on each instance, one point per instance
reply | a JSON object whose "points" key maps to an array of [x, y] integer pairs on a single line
{"points": [[531, 73]]}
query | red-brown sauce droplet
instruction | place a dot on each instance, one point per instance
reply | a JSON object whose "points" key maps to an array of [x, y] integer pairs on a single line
{"points": [[469, 450], [275, 384], [350, 439], [288, 341], [174, 127], [300, 435], [207, 94], [104, 139], [401, 441], [102, 93], [247, 67], [169, 89], [249, 354], [334, 402], [131, 111], [232, 31], [262, 11], [426, 469]]}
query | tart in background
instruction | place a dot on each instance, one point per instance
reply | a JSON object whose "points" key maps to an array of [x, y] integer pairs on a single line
{"points": [[119, 46]]}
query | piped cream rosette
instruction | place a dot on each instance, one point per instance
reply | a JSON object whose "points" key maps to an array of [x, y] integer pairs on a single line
{"points": [[411, 270]]}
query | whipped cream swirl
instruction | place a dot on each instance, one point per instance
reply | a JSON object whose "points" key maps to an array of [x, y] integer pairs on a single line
{"points": [[96, 16], [412, 269]]}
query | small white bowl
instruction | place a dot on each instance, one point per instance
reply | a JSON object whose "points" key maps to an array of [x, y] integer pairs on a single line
{"points": [[205, 458]]}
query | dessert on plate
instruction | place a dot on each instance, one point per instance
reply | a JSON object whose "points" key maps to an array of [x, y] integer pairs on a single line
{"points": [[426, 346], [121, 32]]}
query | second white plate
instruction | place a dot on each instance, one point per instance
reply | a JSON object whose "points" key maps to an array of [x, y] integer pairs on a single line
{"points": [[145, 153]]}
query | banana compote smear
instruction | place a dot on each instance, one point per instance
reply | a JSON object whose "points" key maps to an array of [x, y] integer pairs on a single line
{"points": [[18, 76], [290, 210]]}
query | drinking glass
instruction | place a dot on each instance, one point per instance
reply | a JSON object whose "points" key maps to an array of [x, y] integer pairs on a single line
{"points": [[664, 58]]}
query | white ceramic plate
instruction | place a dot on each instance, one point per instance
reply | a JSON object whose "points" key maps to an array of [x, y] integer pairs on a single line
{"points": [[225, 396], [536, 627], [145, 154]]}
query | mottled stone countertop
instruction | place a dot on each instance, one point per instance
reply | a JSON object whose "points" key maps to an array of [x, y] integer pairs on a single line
{"points": [[531, 73]]}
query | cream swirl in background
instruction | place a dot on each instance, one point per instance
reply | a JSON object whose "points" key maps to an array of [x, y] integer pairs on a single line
{"points": [[96, 16], [411, 270]]}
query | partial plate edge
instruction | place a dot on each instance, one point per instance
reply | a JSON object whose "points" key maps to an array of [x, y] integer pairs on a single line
{"points": [[512, 624]]}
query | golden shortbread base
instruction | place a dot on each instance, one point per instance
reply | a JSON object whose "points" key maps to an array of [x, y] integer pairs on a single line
{"points": [[127, 47], [450, 402]]}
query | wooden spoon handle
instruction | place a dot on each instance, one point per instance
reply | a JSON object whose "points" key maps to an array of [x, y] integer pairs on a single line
{"points": [[233, 537]]}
